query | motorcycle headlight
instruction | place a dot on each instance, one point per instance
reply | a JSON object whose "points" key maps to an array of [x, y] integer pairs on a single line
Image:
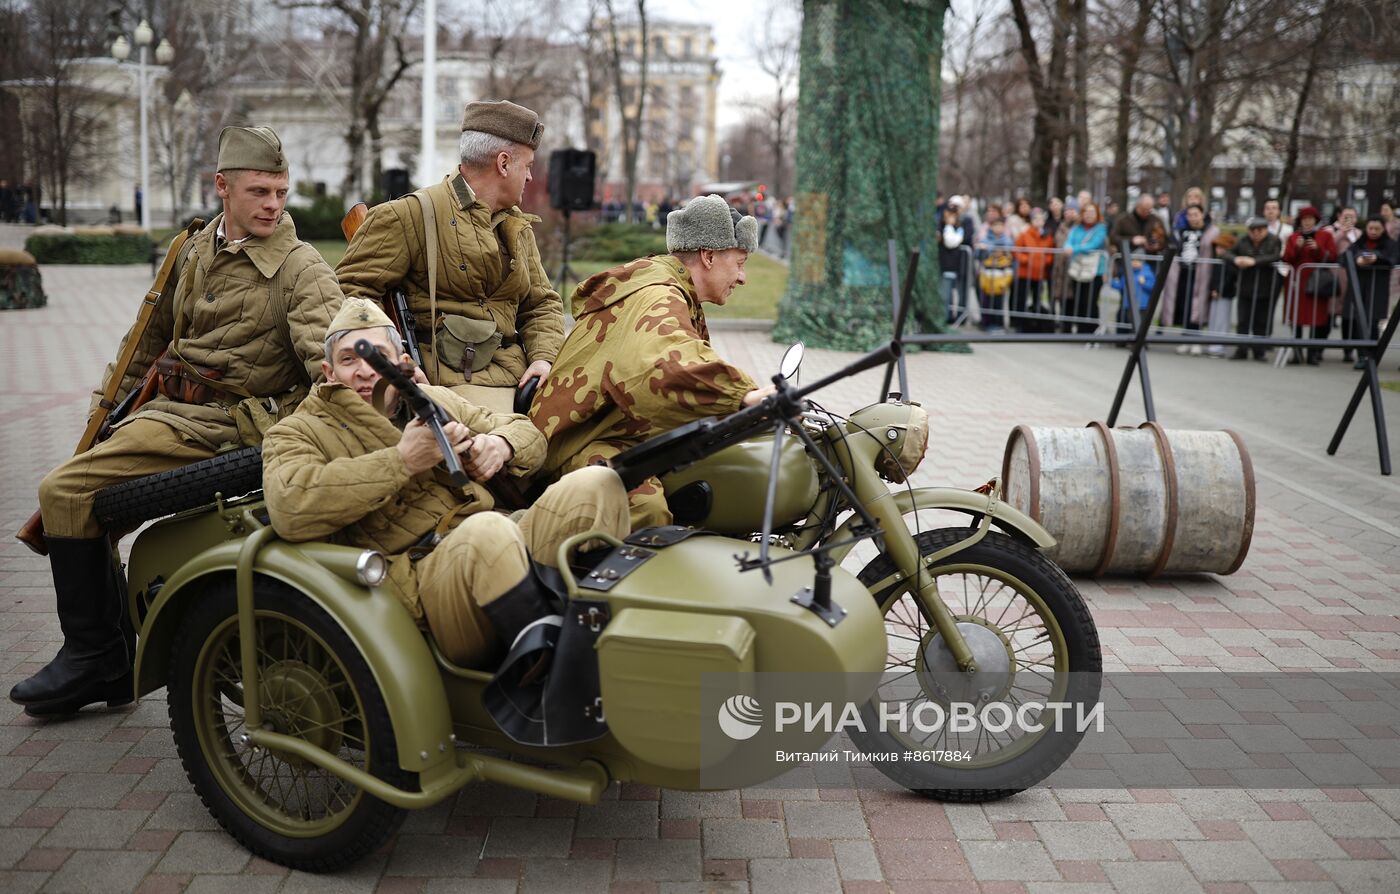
{"points": [[906, 444], [371, 568]]}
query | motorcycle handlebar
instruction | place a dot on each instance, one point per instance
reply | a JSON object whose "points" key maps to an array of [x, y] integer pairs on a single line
{"points": [[878, 357], [701, 438]]}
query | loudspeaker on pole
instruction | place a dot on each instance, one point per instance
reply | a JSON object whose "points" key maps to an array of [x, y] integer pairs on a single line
{"points": [[571, 176]]}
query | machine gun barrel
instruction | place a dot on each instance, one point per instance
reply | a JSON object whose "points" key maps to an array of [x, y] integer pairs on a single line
{"points": [[422, 406], [699, 439]]}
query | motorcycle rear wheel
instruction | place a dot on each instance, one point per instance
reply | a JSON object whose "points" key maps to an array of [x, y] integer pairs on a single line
{"points": [[1015, 606]]}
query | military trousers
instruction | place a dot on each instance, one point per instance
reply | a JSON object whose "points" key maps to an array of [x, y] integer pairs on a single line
{"points": [[646, 502], [488, 554], [136, 449], [496, 398]]}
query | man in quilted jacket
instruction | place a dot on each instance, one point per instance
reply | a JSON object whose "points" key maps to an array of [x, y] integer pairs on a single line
{"points": [[354, 466], [241, 330], [488, 319]]}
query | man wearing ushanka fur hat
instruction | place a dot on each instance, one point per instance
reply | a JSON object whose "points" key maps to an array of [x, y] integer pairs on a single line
{"points": [[638, 361], [236, 342]]}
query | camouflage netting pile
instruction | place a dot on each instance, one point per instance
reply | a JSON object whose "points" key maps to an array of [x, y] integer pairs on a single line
{"points": [[20, 283], [867, 155]]}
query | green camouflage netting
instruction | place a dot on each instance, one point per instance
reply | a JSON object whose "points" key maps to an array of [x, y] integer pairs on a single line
{"points": [[867, 157]]}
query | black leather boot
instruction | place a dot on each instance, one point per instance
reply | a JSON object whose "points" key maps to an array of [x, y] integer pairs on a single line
{"points": [[94, 664], [519, 607]]}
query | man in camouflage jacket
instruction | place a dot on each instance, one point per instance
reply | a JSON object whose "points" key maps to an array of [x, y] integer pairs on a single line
{"points": [[492, 292], [638, 361], [243, 325], [351, 465]]}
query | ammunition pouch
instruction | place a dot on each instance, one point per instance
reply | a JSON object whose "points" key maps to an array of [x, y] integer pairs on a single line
{"points": [[253, 416], [463, 344], [177, 383]]}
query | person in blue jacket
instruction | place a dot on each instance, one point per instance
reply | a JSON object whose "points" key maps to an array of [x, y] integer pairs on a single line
{"points": [[1144, 279], [1086, 242]]}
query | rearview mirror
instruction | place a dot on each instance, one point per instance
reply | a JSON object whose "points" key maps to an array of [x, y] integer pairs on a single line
{"points": [[792, 361]]}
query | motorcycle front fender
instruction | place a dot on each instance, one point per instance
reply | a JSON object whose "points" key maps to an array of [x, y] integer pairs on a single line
{"points": [[1004, 516], [380, 627]]}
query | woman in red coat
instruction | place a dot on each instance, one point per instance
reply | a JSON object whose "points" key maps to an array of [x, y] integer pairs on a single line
{"points": [[1311, 244]]}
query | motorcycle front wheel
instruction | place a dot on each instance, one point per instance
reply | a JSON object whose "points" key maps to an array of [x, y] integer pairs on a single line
{"points": [[316, 686], [1035, 644]]}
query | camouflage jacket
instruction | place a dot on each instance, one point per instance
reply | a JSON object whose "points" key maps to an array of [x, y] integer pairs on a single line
{"points": [[637, 363], [332, 470], [488, 269], [269, 345]]}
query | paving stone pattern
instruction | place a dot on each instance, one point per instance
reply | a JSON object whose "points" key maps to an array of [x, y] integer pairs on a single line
{"points": [[100, 803]]}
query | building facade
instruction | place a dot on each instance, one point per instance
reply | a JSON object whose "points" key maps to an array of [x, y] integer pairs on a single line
{"points": [[679, 149]]}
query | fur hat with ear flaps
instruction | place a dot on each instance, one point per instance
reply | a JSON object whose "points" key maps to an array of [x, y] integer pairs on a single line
{"points": [[709, 222]]}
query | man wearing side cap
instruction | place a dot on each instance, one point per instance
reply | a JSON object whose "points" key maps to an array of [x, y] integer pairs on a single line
{"points": [[351, 463], [488, 319], [638, 362], [241, 332]]}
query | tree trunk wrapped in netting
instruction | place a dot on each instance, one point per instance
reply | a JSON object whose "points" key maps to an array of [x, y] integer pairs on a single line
{"points": [[867, 158]]}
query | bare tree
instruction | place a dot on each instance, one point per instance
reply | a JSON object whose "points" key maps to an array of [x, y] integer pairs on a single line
{"points": [[1217, 53], [1129, 51], [63, 120], [1047, 88], [776, 49], [1079, 157], [522, 64], [630, 111], [212, 41], [964, 60], [1315, 54], [377, 59]]}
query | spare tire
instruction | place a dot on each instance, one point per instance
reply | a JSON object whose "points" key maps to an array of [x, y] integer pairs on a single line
{"points": [[231, 475]]}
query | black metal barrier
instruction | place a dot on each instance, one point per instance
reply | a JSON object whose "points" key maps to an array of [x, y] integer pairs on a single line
{"points": [[1371, 351]]}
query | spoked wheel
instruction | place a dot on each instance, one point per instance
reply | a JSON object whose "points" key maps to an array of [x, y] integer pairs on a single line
{"points": [[1033, 642], [315, 686]]}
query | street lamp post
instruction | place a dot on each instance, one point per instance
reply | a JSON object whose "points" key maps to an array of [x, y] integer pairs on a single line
{"points": [[143, 37]]}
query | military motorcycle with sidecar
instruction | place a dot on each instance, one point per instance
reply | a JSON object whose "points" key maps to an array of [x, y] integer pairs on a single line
{"points": [[310, 711]]}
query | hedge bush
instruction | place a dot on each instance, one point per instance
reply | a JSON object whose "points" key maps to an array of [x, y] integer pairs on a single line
{"points": [[618, 242], [320, 220], [72, 248]]}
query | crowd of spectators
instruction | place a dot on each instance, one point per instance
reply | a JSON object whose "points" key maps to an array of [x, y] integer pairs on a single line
{"points": [[1042, 269]]}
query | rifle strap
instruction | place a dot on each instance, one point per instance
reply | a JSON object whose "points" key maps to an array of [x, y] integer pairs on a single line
{"points": [[430, 247], [166, 282]]}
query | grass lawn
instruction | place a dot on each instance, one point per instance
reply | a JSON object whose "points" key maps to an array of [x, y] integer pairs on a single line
{"points": [[331, 249], [757, 299]]}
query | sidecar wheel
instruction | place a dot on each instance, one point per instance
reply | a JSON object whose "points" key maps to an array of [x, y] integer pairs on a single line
{"points": [[1027, 625], [315, 685]]}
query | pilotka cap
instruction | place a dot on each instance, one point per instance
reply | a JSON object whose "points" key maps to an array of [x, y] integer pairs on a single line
{"points": [[506, 120], [358, 313], [251, 148]]}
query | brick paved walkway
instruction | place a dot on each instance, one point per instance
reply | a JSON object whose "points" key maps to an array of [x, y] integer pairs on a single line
{"points": [[100, 803]]}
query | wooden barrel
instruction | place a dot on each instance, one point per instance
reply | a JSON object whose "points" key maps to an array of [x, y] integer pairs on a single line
{"points": [[1135, 501]]}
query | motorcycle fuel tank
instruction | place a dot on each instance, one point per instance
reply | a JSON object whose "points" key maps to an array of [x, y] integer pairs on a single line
{"points": [[725, 492]]}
